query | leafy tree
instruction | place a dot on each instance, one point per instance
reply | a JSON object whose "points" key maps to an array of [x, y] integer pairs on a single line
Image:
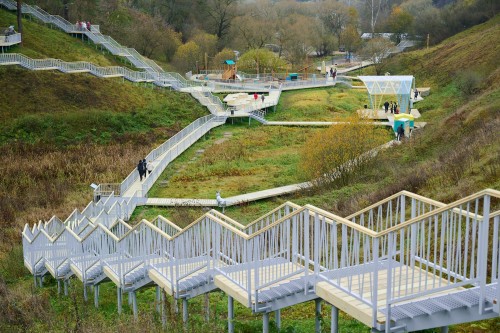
{"points": [[335, 16], [351, 39], [224, 54], [187, 56], [206, 42], [400, 22], [258, 59], [376, 50], [335, 154]]}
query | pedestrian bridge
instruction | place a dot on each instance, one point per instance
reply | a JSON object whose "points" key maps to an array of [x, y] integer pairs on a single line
{"points": [[402, 264]]}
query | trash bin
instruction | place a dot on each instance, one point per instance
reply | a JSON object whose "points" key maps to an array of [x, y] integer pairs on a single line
{"points": [[293, 76]]}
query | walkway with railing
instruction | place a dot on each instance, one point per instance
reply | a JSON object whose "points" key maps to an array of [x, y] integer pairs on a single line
{"points": [[402, 264]]}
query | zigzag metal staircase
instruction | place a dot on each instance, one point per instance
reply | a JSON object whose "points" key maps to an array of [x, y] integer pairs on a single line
{"points": [[152, 71], [404, 263]]}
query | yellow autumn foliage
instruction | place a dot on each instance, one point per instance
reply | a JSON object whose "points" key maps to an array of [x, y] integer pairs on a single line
{"points": [[341, 150]]}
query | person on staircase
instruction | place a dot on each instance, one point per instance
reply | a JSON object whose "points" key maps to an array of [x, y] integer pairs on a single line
{"points": [[149, 167], [140, 169], [144, 167]]}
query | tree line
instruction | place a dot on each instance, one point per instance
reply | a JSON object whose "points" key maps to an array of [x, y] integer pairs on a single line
{"points": [[194, 34]]}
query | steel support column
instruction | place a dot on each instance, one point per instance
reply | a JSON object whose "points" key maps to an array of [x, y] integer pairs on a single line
{"points": [[230, 314], [317, 329], [184, 311], [334, 320], [277, 318], [119, 296], [96, 296], [134, 304], [265, 322], [444, 329]]}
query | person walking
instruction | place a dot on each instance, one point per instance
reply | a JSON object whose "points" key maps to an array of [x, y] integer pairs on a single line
{"points": [[400, 132], [140, 169], [262, 98], [386, 106], [416, 94], [144, 167], [149, 167]]}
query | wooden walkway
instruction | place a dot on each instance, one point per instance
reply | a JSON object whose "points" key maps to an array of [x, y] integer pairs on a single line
{"points": [[230, 201]]}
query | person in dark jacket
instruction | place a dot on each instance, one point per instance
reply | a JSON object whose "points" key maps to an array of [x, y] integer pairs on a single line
{"points": [[144, 168], [386, 106], [400, 132], [140, 169]]}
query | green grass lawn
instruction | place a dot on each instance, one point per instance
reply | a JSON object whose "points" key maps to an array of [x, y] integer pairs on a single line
{"points": [[249, 160], [323, 104]]}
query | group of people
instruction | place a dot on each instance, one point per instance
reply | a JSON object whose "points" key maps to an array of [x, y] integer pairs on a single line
{"points": [[393, 106], [144, 168], [82, 25], [9, 31], [332, 73]]}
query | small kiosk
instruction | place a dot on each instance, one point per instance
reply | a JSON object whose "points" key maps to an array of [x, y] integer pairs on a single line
{"points": [[405, 119]]}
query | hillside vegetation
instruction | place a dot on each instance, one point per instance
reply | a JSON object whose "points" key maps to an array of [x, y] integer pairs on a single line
{"points": [[456, 154]]}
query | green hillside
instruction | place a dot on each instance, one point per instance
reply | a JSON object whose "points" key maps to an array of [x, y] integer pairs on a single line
{"points": [[40, 41], [61, 132]]}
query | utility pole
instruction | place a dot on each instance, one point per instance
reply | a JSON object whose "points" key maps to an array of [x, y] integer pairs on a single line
{"points": [[206, 61], [428, 35]]}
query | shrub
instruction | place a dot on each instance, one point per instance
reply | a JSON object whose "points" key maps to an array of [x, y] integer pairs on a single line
{"points": [[468, 82]]}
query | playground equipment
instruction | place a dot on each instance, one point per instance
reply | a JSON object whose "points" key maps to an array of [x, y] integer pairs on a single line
{"points": [[230, 70]]}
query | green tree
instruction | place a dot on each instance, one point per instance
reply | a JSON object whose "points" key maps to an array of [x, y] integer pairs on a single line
{"points": [[187, 56], [351, 39], [400, 22], [258, 59], [224, 54]]}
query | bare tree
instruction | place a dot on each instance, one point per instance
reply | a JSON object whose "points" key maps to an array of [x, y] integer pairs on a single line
{"points": [[376, 50], [221, 13]]}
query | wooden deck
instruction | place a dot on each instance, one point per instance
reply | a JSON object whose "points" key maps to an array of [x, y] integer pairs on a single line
{"points": [[267, 274], [361, 311], [161, 273]]}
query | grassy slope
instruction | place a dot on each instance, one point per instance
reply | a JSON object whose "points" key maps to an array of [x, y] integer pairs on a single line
{"points": [[40, 41], [325, 104], [251, 159]]}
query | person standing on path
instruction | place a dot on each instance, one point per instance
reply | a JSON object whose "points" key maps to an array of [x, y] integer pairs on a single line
{"points": [[386, 106], [262, 98], [140, 169]]}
